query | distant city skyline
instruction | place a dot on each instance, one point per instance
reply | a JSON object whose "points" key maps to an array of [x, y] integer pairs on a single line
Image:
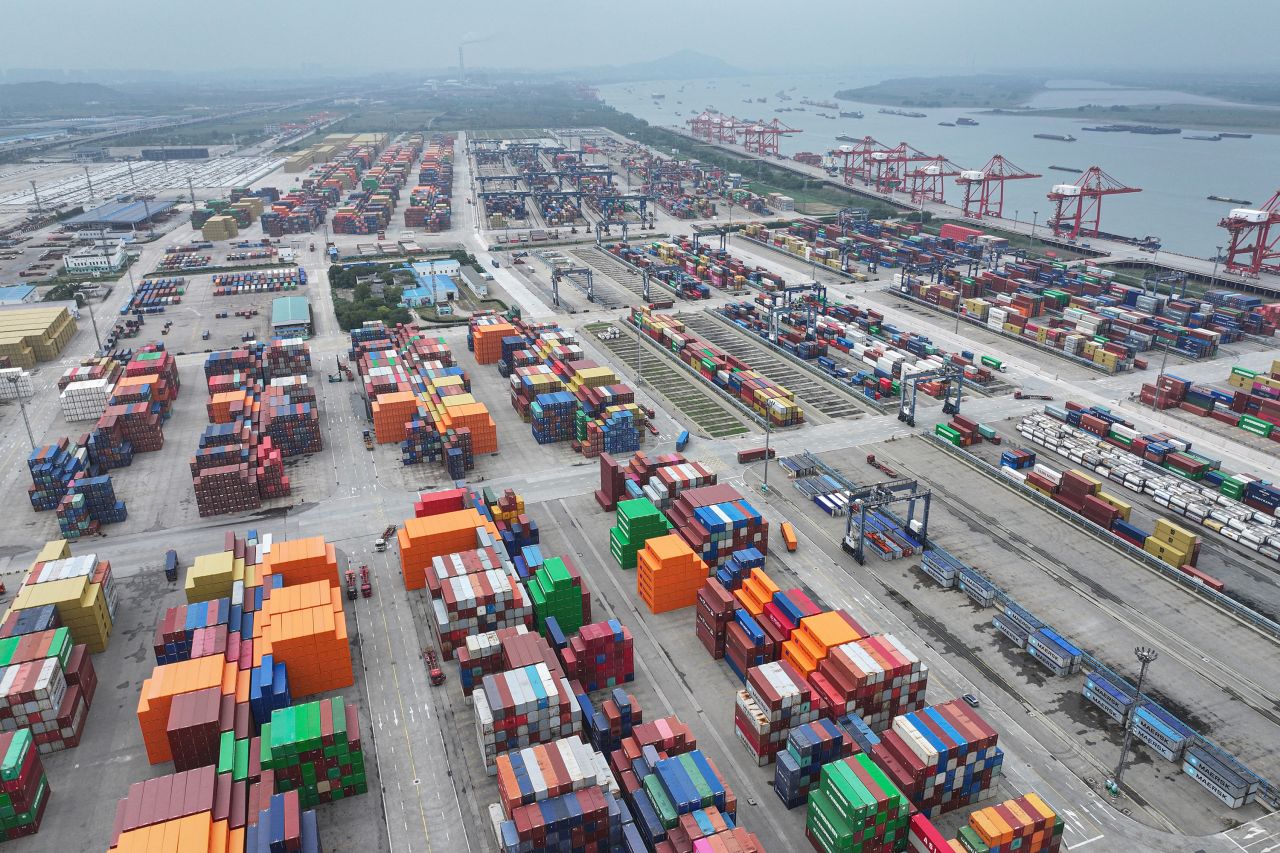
{"points": [[333, 38]]}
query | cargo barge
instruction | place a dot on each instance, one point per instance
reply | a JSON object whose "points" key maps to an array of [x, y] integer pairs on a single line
{"points": [[903, 113], [1056, 137], [1229, 200]]}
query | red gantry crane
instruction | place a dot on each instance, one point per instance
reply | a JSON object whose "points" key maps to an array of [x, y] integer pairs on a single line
{"points": [[925, 182], [984, 188], [888, 168], [1255, 238], [701, 125], [762, 139], [1078, 210], [854, 160]]}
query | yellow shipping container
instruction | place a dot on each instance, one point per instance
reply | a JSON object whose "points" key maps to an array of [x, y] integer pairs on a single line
{"points": [[1167, 531], [80, 604], [1165, 552], [1112, 500], [211, 576], [56, 549]]}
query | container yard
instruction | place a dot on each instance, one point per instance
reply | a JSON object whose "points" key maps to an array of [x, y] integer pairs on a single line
{"points": [[379, 560]]}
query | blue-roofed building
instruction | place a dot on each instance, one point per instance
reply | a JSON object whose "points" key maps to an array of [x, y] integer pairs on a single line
{"points": [[120, 215], [17, 294], [433, 286]]}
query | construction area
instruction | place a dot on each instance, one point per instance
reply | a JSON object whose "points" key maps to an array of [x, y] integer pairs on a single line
{"points": [[665, 535]]}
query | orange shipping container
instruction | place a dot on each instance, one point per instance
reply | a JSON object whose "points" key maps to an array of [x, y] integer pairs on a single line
{"points": [[303, 560], [172, 679], [669, 574], [422, 539]]}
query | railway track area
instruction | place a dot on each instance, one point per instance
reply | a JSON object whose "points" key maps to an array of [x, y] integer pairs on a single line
{"points": [[696, 403], [814, 394]]}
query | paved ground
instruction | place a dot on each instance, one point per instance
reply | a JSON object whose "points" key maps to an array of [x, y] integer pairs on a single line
{"points": [[1221, 675]]}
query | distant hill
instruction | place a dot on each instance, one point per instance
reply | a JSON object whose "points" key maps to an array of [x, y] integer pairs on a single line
{"points": [[974, 90], [48, 98], [684, 64]]}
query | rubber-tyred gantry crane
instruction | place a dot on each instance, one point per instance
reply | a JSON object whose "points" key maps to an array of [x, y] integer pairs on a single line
{"points": [[926, 181], [762, 139], [1254, 245], [984, 188], [1078, 206]]}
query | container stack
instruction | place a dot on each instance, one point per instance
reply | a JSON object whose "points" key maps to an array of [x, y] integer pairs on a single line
{"points": [[876, 678], [86, 399], [303, 627], [682, 784], [423, 539], [738, 567], [193, 731], [508, 718], [89, 503], [809, 748], [475, 602], [746, 645], [553, 416], [294, 428], [601, 656], [24, 788], [638, 521], [485, 337], [545, 771], [815, 635], [556, 590], [669, 481], [48, 689], [52, 469], [777, 698], [713, 617], [856, 807], [669, 574], [943, 757], [315, 749], [717, 521], [79, 588], [1025, 824]]}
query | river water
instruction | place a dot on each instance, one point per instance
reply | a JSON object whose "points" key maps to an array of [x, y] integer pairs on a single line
{"points": [[1176, 174]]}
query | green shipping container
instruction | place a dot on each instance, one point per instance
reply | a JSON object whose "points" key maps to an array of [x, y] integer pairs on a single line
{"points": [[970, 840]]}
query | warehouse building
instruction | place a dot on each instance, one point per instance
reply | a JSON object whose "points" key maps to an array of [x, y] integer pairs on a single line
{"points": [[291, 317], [105, 256], [121, 215], [18, 294]]}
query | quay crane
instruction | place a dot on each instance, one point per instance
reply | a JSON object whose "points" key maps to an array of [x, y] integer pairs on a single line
{"points": [[762, 139], [925, 182], [1254, 245], [984, 188], [1078, 209]]}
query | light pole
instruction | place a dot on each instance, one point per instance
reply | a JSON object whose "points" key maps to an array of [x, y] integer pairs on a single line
{"points": [[88, 180], [1035, 215], [1145, 657], [36, 193], [768, 430], [1216, 256], [92, 319], [22, 405]]}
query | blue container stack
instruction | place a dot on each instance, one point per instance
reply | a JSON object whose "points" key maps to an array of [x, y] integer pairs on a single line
{"points": [[607, 726], [106, 455], [422, 442], [553, 417], [726, 523], [89, 503], [268, 689], [738, 567], [864, 737], [283, 827], [621, 434], [52, 469], [294, 428], [799, 765], [455, 464]]}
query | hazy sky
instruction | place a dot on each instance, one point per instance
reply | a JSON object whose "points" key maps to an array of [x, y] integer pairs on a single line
{"points": [[341, 35]]}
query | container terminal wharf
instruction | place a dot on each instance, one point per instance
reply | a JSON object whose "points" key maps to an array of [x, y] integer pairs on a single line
{"points": [[1056, 745], [1120, 254]]}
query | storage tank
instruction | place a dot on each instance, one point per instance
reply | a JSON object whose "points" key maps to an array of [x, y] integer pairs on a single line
{"points": [[1245, 214], [1066, 189]]}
